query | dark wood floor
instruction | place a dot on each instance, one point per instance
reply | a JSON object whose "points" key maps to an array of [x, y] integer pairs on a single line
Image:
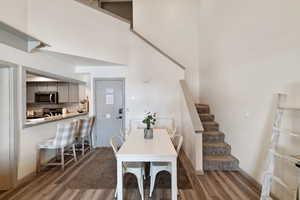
{"points": [[52, 184]]}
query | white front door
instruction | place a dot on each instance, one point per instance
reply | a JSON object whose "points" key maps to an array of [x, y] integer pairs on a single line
{"points": [[109, 108]]}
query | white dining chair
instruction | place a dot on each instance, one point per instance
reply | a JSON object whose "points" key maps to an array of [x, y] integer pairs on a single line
{"points": [[124, 134], [134, 168], [136, 124], [168, 124], [171, 132], [65, 137], [156, 167]]}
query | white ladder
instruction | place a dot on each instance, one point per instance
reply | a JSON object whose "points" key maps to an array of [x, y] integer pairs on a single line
{"points": [[269, 176]]}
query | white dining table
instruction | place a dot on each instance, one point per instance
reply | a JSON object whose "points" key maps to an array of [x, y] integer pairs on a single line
{"points": [[138, 149]]}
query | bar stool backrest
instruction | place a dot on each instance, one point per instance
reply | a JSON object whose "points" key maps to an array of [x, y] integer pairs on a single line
{"points": [[65, 134], [84, 127], [92, 123]]}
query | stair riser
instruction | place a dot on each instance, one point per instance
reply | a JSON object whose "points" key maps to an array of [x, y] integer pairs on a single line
{"points": [[213, 138], [209, 127], [216, 150], [203, 110], [207, 118], [220, 166]]}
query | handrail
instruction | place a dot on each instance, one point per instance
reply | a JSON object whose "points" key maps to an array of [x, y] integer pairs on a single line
{"points": [[158, 49], [197, 124]]}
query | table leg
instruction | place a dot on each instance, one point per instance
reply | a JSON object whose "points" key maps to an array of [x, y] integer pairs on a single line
{"points": [[119, 180], [174, 180]]}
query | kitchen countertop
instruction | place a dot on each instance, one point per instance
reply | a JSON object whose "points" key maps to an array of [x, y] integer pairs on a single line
{"points": [[35, 122]]}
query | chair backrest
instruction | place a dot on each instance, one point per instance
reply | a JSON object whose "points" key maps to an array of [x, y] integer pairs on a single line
{"points": [[122, 135], [177, 142], [165, 123], [171, 132], [136, 124], [65, 134], [114, 144], [92, 124], [84, 127]]}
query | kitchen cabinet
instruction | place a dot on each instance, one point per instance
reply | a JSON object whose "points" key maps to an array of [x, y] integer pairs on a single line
{"points": [[31, 89], [42, 87], [73, 93], [52, 87], [82, 92], [63, 92]]}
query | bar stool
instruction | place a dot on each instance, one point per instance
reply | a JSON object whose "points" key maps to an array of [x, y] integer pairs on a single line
{"points": [[65, 137], [91, 128], [83, 135]]}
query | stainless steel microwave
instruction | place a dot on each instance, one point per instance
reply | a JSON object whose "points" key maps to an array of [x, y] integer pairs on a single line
{"points": [[46, 97]]}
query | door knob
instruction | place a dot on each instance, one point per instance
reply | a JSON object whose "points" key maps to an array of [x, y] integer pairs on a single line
{"points": [[120, 117]]}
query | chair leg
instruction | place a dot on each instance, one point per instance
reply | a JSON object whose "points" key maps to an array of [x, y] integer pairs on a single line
{"points": [[74, 153], [152, 182], [82, 147], [91, 143], [144, 173], [62, 159], [116, 192], [38, 160], [57, 154], [141, 185]]}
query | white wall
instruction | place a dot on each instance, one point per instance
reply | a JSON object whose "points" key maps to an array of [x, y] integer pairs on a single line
{"points": [[14, 13], [191, 129], [172, 25], [73, 28], [4, 130], [30, 137], [151, 81], [252, 51]]}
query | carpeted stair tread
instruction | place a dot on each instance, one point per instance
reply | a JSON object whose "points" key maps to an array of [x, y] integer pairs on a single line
{"points": [[220, 163], [216, 144], [213, 133], [207, 117], [216, 153], [213, 136], [216, 148], [210, 126], [201, 105], [220, 158], [202, 108]]}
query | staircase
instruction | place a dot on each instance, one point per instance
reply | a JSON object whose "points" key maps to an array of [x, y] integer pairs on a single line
{"points": [[216, 153]]}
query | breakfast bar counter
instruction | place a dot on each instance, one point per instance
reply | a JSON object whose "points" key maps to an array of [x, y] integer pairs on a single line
{"points": [[39, 121]]}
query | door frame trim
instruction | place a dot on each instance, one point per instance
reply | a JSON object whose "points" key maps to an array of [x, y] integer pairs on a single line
{"points": [[13, 120], [123, 96]]}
